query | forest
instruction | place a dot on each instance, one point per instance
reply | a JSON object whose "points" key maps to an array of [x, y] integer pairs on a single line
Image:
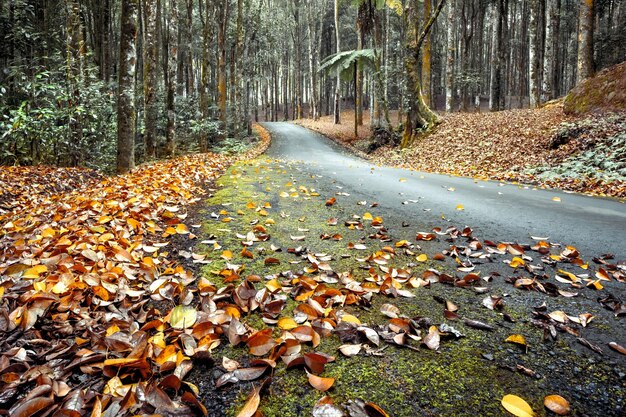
{"points": [[324, 208], [109, 84]]}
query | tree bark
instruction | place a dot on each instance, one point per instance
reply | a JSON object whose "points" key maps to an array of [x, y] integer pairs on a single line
{"points": [[172, 79], [222, 22], [533, 55], [426, 59], [337, 107], [126, 114], [585, 40], [450, 56], [150, 76], [75, 52], [548, 53], [497, 56], [420, 117]]}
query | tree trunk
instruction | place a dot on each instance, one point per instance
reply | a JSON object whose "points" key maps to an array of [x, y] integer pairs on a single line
{"points": [[337, 110], [75, 52], [420, 116], [126, 115], [426, 59], [548, 54], [222, 22], [533, 55], [205, 72], [172, 79], [450, 56], [150, 76], [497, 56], [298, 58], [585, 40]]}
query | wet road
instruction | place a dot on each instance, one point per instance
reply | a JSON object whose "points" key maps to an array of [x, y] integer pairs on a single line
{"points": [[496, 211]]}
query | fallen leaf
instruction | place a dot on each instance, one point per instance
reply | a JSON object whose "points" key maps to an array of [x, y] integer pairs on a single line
{"points": [[517, 406], [319, 383], [183, 317], [557, 404]]}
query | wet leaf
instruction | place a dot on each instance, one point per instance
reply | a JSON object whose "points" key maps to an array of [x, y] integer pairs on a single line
{"points": [[183, 317], [350, 350], [557, 404], [31, 407], [517, 339], [249, 409], [319, 383], [517, 406], [432, 339]]}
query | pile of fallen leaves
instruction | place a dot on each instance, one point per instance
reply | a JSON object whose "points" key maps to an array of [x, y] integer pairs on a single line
{"points": [[19, 185], [506, 145], [77, 271]]}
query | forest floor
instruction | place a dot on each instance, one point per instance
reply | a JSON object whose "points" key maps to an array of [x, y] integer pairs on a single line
{"points": [[542, 147], [273, 289]]}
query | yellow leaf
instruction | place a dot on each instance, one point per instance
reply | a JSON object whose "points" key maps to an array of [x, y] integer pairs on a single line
{"points": [[517, 406], [368, 216], [460, 207], [181, 229], [183, 317], [228, 255], [251, 205], [517, 338], [517, 262], [35, 271], [349, 318], [38, 286], [49, 232], [112, 330], [557, 199], [287, 323], [422, 258], [273, 285]]}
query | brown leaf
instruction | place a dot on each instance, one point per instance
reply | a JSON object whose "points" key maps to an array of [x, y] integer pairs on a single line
{"points": [[319, 383]]}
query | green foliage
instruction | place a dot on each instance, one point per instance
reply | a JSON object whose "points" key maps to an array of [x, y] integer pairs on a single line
{"points": [[346, 60], [36, 113], [602, 150]]}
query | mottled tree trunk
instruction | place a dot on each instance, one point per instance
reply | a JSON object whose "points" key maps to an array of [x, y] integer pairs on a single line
{"points": [[533, 55], [205, 71], [426, 59], [548, 53], [75, 51], [450, 56], [222, 25], [126, 115], [150, 76], [298, 58], [585, 40], [337, 107], [420, 117], [497, 56], [172, 79]]}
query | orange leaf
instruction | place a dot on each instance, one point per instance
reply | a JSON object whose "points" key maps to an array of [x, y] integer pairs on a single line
{"points": [[319, 383]]}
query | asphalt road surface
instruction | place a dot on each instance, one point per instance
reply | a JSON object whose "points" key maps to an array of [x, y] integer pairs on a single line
{"points": [[496, 211]]}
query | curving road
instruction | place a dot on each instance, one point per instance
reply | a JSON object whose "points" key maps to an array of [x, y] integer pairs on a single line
{"points": [[496, 211]]}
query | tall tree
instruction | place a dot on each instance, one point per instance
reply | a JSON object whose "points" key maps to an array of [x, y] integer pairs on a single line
{"points": [[126, 113], [172, 79], [337, 116], [450, 55], [548, 53], [585, 40], [75, 77], [498, 55], [533, 55], [150, 72], [222, 15], [420, 117], [426, 59]]}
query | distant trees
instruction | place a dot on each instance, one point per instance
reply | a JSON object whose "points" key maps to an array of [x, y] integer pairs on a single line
{"points": [[204, 69]]}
